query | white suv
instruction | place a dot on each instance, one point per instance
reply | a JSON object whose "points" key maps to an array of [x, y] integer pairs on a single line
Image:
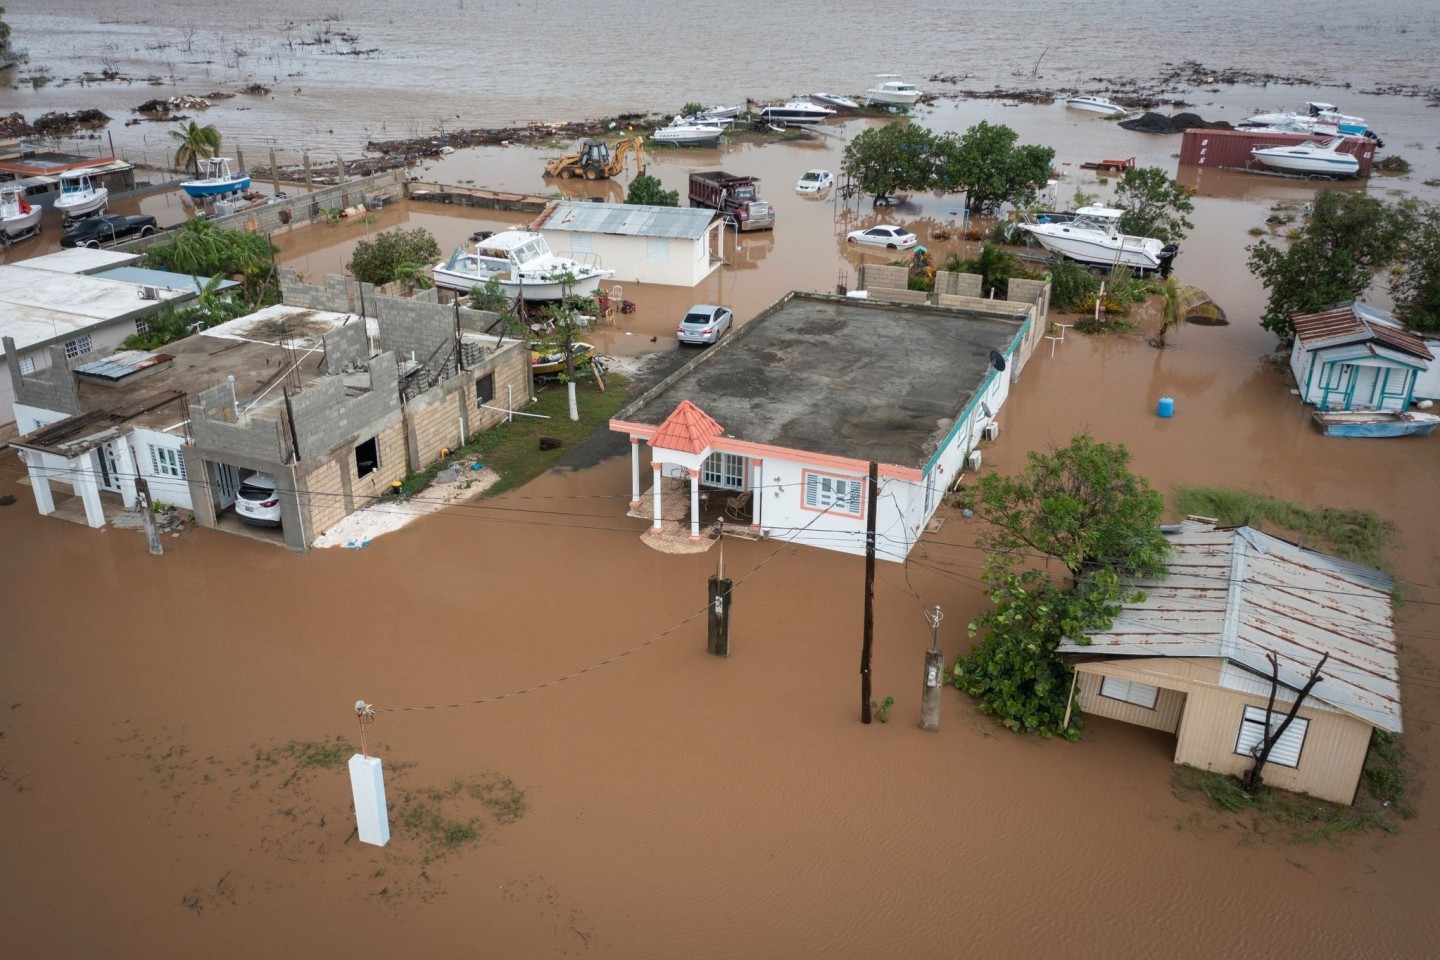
{"points": [[258, 503]]}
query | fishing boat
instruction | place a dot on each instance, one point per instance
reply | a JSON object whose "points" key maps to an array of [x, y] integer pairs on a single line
{"points": [[1096, 105], [891, 91], [80, 196], [834, 100], [216, 180], [796, 113], [1374, 423], [521, 262], [1092, 236], [549, 363], [1312, 158], [19, 218], [689, 132]]}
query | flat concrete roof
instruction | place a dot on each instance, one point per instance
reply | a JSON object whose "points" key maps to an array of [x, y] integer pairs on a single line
{"points": [[42, 306], [82, 260], [168, 279], [860, 379]]}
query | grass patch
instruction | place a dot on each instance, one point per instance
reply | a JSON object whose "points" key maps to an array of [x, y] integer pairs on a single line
{"points": [[441, 820], [1359, 536]]}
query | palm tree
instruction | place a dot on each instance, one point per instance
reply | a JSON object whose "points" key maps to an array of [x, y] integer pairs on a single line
{"points": [[196, 143]]}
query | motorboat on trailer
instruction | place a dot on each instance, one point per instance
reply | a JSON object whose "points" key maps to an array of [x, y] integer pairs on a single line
{"points": [[834, 100], [1096, 105], [80, 196], [19, 218], [1311, 159], [689, 132], [217, 180], [796, 113], [521, 262], [891, 91], [1092, 236]]}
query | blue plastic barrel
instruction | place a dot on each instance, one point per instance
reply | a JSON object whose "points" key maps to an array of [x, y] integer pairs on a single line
{"points": [[1166, 407]]}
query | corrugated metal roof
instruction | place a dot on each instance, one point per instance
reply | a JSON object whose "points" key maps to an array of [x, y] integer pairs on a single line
{"points": [[165, 279], [123, 363], [1240, 594], [1349, 323], [687, 223]]}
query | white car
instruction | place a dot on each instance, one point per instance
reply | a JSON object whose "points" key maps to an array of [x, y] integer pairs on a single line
{"points": [[257, 502], [885, 235], [704, 323], [815, 181]]}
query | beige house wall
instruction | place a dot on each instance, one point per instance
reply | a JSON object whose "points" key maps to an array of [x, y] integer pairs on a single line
{"points": [[1166, 716], [323, 499], [1331, 757]]}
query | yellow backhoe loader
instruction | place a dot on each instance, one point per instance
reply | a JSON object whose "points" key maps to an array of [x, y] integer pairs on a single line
{"points": [[597, 160]]}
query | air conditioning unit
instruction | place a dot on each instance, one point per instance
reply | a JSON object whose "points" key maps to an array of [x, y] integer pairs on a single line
{"points": [[149, 293], [973, 461], [991, 431]]}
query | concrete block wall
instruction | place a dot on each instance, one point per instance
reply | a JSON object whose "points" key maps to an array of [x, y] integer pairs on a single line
{"points": [[326, 497], [899, 295], [345, 344], [414, 327], [876, 276], [338, 294], [957, 284], [511, 366], [52, 387], [448, 413], [217, 436], [326, 418]]}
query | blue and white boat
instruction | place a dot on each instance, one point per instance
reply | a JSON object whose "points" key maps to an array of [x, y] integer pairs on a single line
{"points": [[1374, 423], [217, 180], [1309, 159]]}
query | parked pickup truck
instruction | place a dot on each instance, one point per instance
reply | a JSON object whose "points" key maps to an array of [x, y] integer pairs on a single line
{"points": [[105, 229], [733, 196]]}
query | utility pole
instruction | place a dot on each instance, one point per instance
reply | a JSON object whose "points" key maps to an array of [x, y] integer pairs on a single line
{"points": [[1253, 780], [718, 641], [147, 517], [930, 693], [874, 497]]}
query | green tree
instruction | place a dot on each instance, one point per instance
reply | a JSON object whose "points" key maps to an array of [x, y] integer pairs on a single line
{"points": [[1154, 205], [1415, 286], [1079, 504], [985, 162], [885, 160], [1331, 259], [995, 266], [196, 143], [201, 249], [378, 260], [646, 190], [211, 306], [1071, 284], [413, 275]]}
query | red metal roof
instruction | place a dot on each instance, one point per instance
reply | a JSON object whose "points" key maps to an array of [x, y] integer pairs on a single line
{"points": [[688, 429], [1339, 323]]}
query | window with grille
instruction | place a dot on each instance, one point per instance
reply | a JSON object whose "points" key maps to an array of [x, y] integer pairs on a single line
{"points": [[724, 470], [167, 462], [1140, 694], [27, 364], [77, 347], [838, 495], [1286, 751], [141, 326]]}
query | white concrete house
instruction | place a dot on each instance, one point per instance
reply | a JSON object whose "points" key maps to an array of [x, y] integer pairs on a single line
{"points": [[678, 246], [1358, 357]]}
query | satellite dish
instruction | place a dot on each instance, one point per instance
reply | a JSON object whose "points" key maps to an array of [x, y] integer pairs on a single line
{"points": [[997, 360]]}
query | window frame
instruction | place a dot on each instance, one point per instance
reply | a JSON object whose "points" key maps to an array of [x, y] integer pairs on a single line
{"points": [[167, 462], [1299, 727], [78, 347], [1134, 692], [813, 482], [27, 362]]}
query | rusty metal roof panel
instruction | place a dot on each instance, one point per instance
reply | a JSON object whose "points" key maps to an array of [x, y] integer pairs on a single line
{"points": [[1354, 323], [1240, 594], [123, 363]]}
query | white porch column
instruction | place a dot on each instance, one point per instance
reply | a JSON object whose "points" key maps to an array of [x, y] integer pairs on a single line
{"points": [[757, 495], [40, 483], [694, 504], [634, 471], [656, 466], [127, 465], [87, 489]]}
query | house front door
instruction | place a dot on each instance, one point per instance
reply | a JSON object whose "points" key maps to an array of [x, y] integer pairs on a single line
{"points": [[227, 482], [109, 469]]}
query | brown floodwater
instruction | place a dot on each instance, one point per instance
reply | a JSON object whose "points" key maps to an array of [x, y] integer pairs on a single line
{"points": [[678, 804]]}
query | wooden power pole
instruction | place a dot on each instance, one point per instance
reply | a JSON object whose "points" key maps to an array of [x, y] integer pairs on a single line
{"points": [[873, 498]]}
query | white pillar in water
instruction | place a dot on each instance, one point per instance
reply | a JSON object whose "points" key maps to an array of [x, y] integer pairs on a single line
{"points": [[634, 472], [694, 504], [367, 784], [659, 519]]}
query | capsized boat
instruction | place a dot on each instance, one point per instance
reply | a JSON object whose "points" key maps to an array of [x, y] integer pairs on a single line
{"points": [[689, 132], [521, 262], [1374, 423], [216, 179], [548, 363], [19, 218], [1096, 105], [891, 91], [1092, 236], [1311, 158], [80, 196], [796, 113]]}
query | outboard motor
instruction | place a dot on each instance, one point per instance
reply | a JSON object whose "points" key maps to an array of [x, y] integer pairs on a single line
{"points": [[1167, 258]]}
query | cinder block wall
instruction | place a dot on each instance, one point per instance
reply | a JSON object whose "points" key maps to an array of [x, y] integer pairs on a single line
{"points": [[448, 414], [326, 418], [53, 387], [414, 327], [957, 284], [217, 436], [327, 498], [344, 344]]}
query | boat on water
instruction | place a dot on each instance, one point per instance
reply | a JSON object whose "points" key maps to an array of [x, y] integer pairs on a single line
{"points": [[891, 91], [1312, 113], [216, 179], [1092, 236], [1096, 105], [19, 218], [796, 113], [689, 132], [80, 196], [1374, 423], [1313, 158], [834, 100], [521, 262]]}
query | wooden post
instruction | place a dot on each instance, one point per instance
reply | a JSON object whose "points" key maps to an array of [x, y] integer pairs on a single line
{"points": [[274, 172], [239, 159], [718, 641], [309, 174], [869, 637], [930, 693]]}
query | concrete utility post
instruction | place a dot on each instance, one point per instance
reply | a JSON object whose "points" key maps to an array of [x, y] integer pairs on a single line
{"points": [[718, 637], [147, 517], [930, 693]]}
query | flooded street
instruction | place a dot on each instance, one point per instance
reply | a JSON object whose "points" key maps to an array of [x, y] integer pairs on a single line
{"points": [[165, 721]]}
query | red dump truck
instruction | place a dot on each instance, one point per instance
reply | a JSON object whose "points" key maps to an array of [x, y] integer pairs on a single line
{"points": [[733, 196]]}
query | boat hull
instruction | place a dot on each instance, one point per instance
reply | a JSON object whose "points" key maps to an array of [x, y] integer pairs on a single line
{"points": [[1094, 105], [80, 204], [1338, 165], [214, 188], [463, 281], [21, 223], [688, 136], [794, 118], [1346, 424], [888, 99], [1103, 250]]}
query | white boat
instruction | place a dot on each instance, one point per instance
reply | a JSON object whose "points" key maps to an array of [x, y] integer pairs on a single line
{"points": [[1310, 158], [216, 180], [523, 265], [1314, 117], [718, 114], [80, 196], [796, 113], [1096, 105], [891, 91], [834, 100], [19, 218], [1093, 237], [689, 132]]}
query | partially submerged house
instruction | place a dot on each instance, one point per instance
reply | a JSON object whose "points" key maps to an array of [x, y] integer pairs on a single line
{"points": [[780, 421], [671, 245], [1358, 357], [1191, 658]]}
